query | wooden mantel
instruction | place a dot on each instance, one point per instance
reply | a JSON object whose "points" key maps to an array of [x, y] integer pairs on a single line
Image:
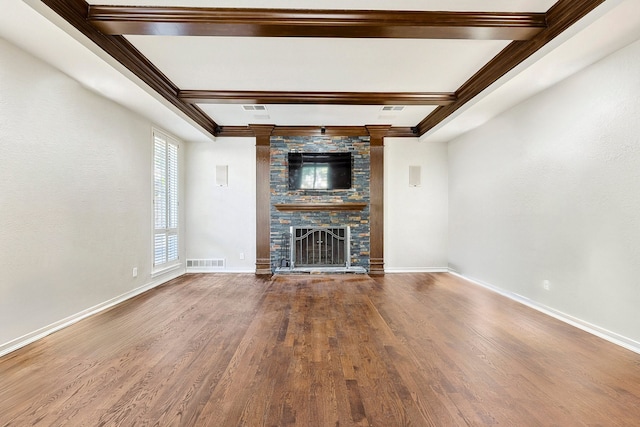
{"points": [[307, 207]]}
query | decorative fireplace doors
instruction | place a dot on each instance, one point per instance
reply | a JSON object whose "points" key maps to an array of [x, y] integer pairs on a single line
{"points": [[320, 247]]}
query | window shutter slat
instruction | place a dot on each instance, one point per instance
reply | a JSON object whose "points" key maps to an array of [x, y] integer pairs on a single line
{"points": [[172, 181], [172, 247], [160, 251], [165, 159]]}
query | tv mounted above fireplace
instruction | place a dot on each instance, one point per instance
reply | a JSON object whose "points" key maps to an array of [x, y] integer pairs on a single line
{"points": [[320, 171]]}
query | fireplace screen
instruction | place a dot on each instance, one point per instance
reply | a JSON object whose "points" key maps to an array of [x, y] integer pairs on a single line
{"points": [[320, 246]]}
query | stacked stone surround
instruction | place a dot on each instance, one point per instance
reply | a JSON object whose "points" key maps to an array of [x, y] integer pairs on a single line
{"points": [[281, 221]]}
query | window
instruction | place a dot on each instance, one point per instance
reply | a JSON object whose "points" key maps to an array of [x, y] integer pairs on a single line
{"points": [[315, 176], [165, 209]]}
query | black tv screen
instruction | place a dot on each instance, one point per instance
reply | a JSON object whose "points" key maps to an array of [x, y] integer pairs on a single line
{"points": [[320, 171]]}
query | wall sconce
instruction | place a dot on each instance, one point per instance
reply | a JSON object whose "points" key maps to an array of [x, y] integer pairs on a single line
{"points": [[415, 173], [222, 174]]}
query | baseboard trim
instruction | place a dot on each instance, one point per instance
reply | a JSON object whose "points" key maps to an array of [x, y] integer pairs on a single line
{"points": [[29, 338], [392, 270], [596, 330]]}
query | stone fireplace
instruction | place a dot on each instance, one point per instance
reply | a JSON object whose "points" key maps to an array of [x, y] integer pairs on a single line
{"points": [[313, 212]]}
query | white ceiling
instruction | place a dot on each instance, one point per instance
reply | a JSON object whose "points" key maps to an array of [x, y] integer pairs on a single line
{"points": [[292, 64], [303, 64], [315, 115], [609, 28]]}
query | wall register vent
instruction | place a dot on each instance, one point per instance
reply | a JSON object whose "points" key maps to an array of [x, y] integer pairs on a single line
{"points": [[205, 264]]}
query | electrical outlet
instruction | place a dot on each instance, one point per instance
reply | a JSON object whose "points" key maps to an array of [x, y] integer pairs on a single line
{"points": [[241, 255], [135, 271], [546, 285]]}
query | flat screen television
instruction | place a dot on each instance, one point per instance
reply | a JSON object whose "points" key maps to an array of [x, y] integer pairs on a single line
{"points": [[320, 171]]}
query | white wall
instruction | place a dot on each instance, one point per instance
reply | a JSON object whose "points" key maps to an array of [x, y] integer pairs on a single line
{"points": [[75, 197], [550, 190], [222, 220], [415, 218]]}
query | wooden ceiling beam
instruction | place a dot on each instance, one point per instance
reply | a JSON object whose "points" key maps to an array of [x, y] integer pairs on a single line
{"points": [[561, 16], [191, 21], [75, 12], [542, 28], [325, 98]]}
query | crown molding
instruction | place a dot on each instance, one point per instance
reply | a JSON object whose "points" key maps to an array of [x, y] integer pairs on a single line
{"points": [[75, 12]]}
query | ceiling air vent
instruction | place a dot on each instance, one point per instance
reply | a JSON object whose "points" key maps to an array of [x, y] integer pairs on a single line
{"points": [[389, 108], [254, 108]]}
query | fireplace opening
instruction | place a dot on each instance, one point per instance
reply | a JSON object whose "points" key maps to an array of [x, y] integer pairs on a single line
{"points": [[320, 247]]}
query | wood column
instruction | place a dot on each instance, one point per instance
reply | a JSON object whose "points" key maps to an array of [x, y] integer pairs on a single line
{"points": [[263, 197], [376, 206]]}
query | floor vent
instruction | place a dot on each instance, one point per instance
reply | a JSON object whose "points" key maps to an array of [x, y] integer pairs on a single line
{"points": [[205, 264]]}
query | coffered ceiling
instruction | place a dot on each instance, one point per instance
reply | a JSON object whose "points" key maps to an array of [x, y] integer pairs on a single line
{"points": [[412, 64]]}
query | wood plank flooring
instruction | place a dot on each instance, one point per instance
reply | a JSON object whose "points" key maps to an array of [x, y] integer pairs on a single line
{"points": [[399, 350]]}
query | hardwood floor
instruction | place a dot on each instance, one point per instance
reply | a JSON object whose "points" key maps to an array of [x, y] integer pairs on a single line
{"points": [[399, 350]]}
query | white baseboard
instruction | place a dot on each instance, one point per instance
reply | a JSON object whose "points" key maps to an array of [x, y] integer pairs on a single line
{"points": [[596, 330], [24, 340], [416, 270]]}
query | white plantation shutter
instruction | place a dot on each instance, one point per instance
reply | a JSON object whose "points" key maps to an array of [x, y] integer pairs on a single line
{"points": [[165, 182], [172, 190]]}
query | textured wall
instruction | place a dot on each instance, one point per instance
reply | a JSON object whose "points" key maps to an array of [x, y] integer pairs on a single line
{"points": [[280, 193], [415, 218], [75, 196], [222, 220], [550, 190]]}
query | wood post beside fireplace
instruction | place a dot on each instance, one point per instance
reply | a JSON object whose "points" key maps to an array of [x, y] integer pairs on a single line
{"points": [[376, 191], [263, 198]]}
